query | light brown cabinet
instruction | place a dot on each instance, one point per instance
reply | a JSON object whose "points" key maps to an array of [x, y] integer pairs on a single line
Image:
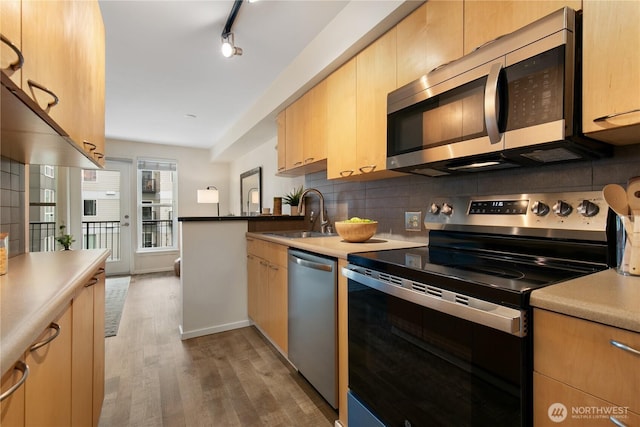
{"points": [[281, 125], [485, 20], [341, 122], [11, 45], [87, 374], [375, 78], [12, 407], [611, 71], [62, 78], [48, 388], [267, 290], [583, 356], [428, 38]]}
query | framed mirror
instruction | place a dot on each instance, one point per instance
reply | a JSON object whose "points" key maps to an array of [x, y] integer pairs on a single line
{"points": [[251, 192]]}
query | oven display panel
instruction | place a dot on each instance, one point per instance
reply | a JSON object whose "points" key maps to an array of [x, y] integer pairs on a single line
{"points": [[498, 207]]}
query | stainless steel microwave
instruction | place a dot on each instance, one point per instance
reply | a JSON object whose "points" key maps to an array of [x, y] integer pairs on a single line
{"points": [[512, 102]]}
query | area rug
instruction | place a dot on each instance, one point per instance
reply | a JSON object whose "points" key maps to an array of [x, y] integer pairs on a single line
{"points": [[115, 294]]}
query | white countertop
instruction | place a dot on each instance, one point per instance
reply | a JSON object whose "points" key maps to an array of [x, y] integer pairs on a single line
{"points": [[36, 290], [334, 246], [605, 297]]}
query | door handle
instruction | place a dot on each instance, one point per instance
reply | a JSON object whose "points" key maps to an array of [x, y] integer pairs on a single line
{"points": [[491, 104], [125, 224]]}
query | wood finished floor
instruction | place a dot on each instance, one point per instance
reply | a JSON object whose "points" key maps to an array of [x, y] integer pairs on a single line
{"points": [[233, 378]]}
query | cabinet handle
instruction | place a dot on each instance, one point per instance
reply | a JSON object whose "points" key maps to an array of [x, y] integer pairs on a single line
{"points": [[264, 263], [20, 62], [98, 155], [22, 367], [367, 169], [91, 145], [309, 159], [617, 421], [55, 101], [347, 173], [280, 169], [48, 340], [624, 347], [91, 282], [614, 115], [297, 163], [100, 271], [274, 267]]}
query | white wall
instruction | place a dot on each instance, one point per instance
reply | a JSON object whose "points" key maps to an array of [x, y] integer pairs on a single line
{"points": [[266, 156]]}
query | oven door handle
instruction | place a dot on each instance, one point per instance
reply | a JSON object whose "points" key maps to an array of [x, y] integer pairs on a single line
{"points": [[485, 313]]}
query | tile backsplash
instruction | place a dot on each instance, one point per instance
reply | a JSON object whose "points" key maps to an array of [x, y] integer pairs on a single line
{"points": [[387, 200], [12, 204]]}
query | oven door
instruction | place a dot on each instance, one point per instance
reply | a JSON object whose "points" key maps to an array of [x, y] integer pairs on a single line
{"points": [[416, 366]]}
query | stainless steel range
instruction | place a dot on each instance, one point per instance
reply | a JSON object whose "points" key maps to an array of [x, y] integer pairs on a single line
{"points": [[441, 335]]}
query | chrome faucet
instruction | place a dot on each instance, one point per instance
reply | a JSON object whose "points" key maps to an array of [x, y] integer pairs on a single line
{"points": [[324, 222]]}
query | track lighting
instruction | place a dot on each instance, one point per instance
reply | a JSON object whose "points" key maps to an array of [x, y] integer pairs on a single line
{"points": [[228, 47]]}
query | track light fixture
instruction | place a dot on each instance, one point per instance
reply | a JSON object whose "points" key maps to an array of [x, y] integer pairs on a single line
{"points": [[228, 47]]}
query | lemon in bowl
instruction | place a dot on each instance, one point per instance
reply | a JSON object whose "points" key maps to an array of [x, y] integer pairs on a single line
{"points": [[356, 230]]}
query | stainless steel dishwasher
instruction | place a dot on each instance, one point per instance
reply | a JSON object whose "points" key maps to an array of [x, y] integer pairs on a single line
{"points": [[312, 320]]}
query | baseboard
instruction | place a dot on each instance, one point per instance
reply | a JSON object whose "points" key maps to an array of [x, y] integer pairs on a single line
{"points": [[213, 329]]}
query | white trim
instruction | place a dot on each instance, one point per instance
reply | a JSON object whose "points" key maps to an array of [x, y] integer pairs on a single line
{"points": [[213, 329]]}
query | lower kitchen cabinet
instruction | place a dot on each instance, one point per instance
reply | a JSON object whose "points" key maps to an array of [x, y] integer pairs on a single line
{"points": [[583, 364], [267, 290], [12, 407], [48, 388]]}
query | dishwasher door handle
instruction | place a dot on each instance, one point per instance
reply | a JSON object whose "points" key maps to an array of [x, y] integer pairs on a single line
{"points": [[310, 264]]}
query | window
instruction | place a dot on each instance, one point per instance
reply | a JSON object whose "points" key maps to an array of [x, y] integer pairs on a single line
{"points": [[49, 212], [90, 208], [49, 171], [157, 192]]}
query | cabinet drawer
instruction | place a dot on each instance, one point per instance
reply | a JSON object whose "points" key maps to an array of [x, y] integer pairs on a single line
{"points": [[579, 408], [581, 354], [276, 254]]}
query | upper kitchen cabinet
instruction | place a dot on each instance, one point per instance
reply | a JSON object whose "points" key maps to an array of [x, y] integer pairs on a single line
{"points": [[429, 37], [375, 78], [341, 122], [305, 142], [485, 20], [11, 46], [611, 71], [281, 125], [55, 113]]}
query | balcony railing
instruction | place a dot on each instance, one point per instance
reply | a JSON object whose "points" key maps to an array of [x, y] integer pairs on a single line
{"points": [[102, 235]]}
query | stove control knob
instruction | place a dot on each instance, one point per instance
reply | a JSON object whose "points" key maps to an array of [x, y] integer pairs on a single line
{"points": [[446, 209], [539, 208], [562, 208], [588, 209], [434, 209]]}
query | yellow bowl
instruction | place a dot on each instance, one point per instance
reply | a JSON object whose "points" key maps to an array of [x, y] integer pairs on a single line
{"points": [[356, 232]]}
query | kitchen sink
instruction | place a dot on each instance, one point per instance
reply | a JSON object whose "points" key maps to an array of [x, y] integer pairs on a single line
{"points": [[299, 234]]}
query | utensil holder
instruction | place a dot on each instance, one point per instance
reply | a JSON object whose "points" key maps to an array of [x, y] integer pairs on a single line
{"points": [[627, 246]]}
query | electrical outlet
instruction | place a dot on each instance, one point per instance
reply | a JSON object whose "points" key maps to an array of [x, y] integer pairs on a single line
{"points": [[413, 221]]}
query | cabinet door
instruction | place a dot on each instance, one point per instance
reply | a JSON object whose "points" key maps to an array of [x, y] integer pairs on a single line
{"points": [[282, 140], [376, 77], [98, 344], [444, 32], [48, 388], [315, 136], [12, 408], [341, 122], [294, 124], [412, 46], [253, 282], [278, 306], [82, 356], [10, 28], [485, 20], [49, 51], [611, 70]]}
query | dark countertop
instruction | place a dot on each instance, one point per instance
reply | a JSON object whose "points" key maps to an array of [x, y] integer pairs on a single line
{"points": [[242, 218]]}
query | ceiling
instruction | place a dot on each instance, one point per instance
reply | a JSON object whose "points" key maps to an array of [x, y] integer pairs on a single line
{"points": [[166, 80]]}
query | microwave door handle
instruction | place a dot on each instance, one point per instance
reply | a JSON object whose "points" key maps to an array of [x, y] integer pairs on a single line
{"points": [[491, 104]]}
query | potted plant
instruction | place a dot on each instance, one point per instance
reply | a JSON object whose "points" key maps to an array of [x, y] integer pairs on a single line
{"points": [[293, 199], [65, 239]]}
